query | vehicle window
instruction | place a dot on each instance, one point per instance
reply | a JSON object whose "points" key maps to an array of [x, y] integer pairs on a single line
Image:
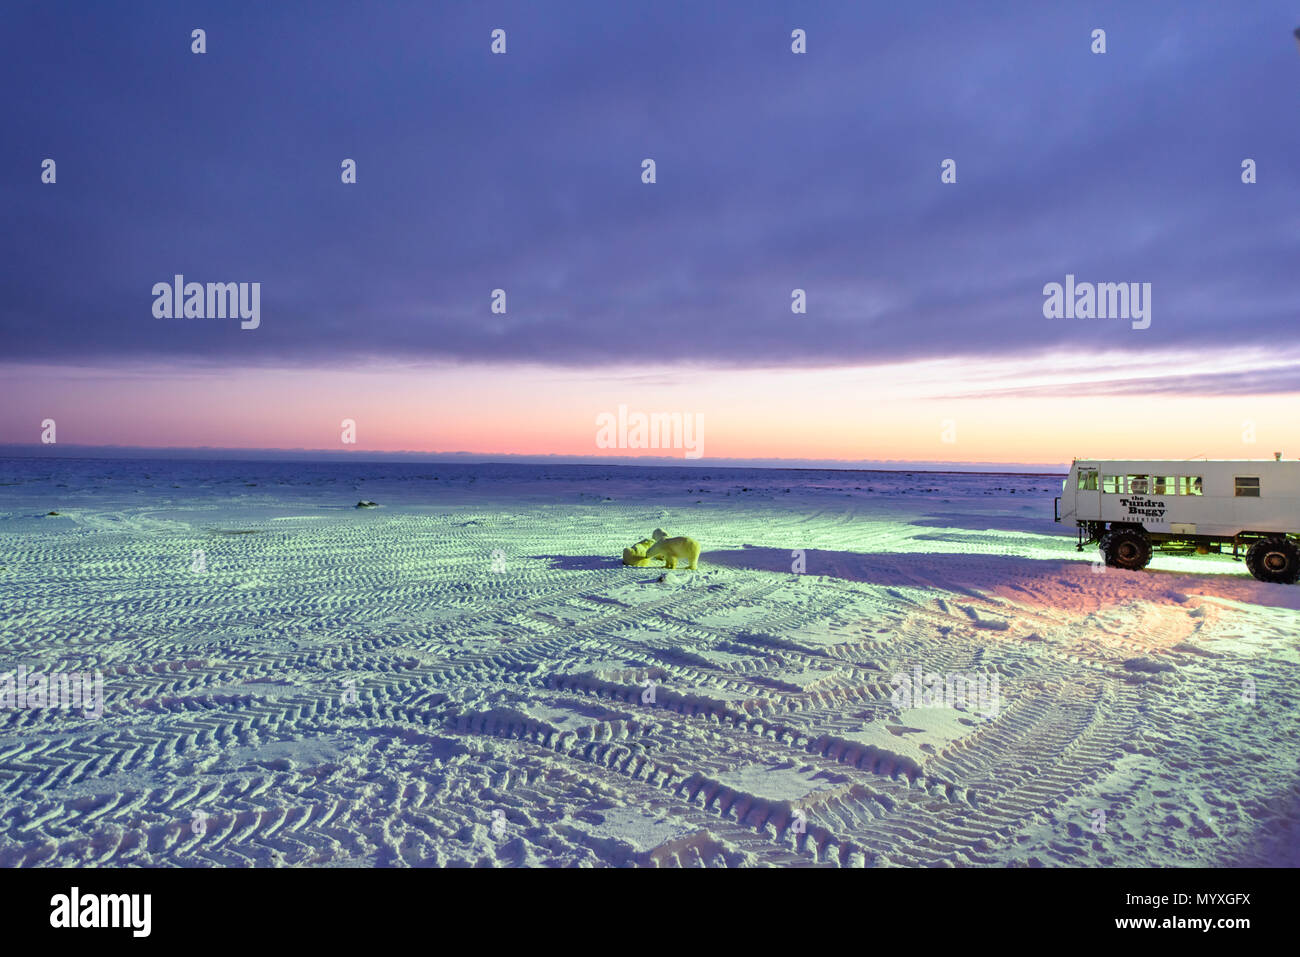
{"points": [[1112, 483], [1138, 484], [1164, 485], [1190, 485], [1248, 486], [1087, 481]]}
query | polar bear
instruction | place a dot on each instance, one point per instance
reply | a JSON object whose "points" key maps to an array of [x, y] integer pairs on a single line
{"points": [[636, 554], [669, 550]]}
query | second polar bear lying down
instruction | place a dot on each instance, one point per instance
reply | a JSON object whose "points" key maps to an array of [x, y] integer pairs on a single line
{"points": [[672, 550]]}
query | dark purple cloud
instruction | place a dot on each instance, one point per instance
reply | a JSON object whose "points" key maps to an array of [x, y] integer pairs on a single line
{"points": [[521, 171]]}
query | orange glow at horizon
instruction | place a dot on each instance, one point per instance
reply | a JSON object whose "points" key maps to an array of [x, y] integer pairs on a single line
{"points": [[937, 410]]}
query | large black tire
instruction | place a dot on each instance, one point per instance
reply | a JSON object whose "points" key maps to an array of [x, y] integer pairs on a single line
{"points": [[1126, 548], [1274, 560]]}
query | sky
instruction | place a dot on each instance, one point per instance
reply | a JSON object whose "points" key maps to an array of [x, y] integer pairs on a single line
{"points": [[924, 339]]}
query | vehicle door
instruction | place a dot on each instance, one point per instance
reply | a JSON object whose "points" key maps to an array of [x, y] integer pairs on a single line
{"points": [[1087, 495]]}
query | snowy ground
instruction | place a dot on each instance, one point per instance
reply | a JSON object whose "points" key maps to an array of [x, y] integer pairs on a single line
{"points": [[467, 675]]}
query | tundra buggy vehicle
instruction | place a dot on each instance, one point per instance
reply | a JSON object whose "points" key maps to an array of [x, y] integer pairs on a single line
{"points": [[1128, 507]]}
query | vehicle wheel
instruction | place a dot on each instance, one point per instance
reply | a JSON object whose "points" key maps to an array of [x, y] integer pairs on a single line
{"points": [[1274, 560], [1126, 548]]}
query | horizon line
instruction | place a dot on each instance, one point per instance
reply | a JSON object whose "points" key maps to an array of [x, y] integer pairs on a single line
{"points": [[60, 450]]}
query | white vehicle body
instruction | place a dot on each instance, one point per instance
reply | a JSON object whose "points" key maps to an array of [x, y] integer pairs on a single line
{"points": [[1220, 499], [1128, 506]]}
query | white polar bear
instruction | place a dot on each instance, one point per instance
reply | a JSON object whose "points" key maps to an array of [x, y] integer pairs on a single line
{"points": [[671, 550]]}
